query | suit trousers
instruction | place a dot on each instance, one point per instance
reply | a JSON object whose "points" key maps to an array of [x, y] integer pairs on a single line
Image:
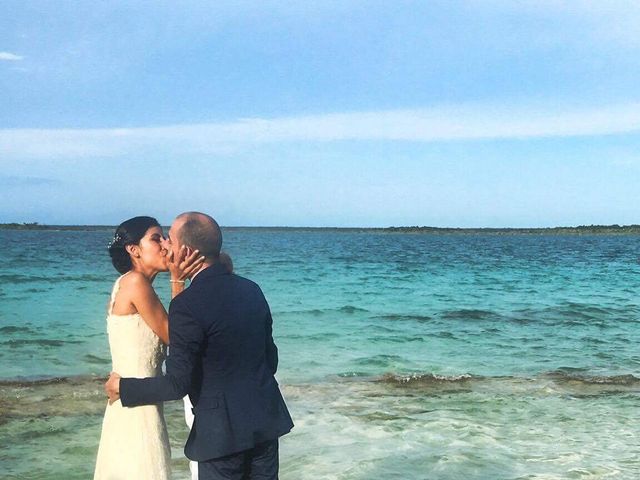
{"points": [[257, 463]]}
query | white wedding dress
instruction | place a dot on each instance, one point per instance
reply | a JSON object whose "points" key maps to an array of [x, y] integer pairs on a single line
{"points": [[134, 443]]}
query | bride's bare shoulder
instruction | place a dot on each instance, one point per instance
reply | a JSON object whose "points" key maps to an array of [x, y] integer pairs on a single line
{"points": [[133, 285], [134, 280]]}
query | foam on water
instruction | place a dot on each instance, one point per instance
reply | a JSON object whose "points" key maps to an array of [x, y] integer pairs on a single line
{"points": [[419, 426], [515, 429]]}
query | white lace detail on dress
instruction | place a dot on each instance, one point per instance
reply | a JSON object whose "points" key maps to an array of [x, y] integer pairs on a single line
{"points": [[134, 443]]}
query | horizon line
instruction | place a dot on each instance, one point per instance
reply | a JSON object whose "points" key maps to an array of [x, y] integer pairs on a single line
{"points": [[36, 225]]}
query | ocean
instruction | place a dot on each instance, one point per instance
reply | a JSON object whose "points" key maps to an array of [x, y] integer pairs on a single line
{"points": [[402, 356]]}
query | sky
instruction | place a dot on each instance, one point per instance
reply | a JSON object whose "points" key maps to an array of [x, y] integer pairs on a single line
{"points": [[494, 113]]}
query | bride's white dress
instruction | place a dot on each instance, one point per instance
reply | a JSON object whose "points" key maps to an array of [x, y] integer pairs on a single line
{"points": [[134, 443]]}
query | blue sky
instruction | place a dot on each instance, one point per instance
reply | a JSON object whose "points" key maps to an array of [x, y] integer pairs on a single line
{"points": [[346, 113]]}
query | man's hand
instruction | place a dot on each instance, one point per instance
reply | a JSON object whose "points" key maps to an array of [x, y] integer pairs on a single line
{"points": [[112, 387]]}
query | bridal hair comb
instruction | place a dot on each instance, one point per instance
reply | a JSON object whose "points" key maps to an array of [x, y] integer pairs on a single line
{"points": [[115, 240]]}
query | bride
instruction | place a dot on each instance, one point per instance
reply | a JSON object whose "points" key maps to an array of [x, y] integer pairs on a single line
{"points": [[134, 441]]}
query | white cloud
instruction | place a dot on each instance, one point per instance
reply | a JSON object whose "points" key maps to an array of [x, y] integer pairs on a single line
{"points": [[447, 123], [10, 57]]}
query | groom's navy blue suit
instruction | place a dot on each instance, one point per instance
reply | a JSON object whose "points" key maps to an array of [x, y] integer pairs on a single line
{"points": [[222, 354]]}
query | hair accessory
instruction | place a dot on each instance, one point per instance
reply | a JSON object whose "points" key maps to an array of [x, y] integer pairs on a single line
{"points": [[115, 240]]}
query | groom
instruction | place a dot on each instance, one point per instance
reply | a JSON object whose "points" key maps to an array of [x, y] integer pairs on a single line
{"points": [[222, 354]]}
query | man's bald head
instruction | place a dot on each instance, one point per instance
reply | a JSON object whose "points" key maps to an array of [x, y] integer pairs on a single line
{"points": [[200, 232]]}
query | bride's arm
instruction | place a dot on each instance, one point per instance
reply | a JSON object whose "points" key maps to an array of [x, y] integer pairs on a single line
{"points": [[147, 303]]}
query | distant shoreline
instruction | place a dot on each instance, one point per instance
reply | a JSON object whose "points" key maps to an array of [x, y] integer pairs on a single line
{"points": [[578, 230]]}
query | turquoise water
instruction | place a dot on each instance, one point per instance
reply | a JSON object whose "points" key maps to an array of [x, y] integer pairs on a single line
{"points": [[401, 356]]}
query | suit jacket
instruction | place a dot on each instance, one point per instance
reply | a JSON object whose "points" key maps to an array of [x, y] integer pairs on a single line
{"points": [[222, 354]]}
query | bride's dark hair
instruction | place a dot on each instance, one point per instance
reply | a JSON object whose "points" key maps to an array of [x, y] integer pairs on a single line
{"points": [[128, 232]]}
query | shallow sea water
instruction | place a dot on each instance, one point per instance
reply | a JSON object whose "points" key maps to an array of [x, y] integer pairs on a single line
{"points": [[401, 356]]}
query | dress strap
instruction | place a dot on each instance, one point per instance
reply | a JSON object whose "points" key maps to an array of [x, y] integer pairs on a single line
{"points": [[116, 287]]}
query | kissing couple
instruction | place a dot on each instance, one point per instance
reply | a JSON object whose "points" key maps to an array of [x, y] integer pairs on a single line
{"points": [[221, 354]]}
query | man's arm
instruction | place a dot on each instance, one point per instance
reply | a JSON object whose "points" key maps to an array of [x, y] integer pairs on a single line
{"points": [[270, 346], [186, 339]]}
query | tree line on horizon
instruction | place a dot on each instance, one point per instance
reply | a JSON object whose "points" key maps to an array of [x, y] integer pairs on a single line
{"points": [[578, 230]]}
